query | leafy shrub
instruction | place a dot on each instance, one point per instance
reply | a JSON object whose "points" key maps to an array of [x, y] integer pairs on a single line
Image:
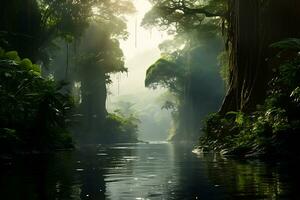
{"points": [[274, 127], [34, 109], [121, 128]]}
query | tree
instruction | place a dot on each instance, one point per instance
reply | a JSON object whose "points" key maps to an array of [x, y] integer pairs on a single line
{"points": [[188, 67], [184, 15], [99, 55], [252, 27], [31, 26]]}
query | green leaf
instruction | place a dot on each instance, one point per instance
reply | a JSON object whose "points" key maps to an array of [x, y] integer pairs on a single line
{"points": [[26, 63], [288, 44], [12, 55]]}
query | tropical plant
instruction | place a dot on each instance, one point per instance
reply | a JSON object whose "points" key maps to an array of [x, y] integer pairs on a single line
{"points": [[36, 108], [273, 128]]}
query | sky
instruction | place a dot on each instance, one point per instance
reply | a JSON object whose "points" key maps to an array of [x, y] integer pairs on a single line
{"points": [[140, 51]]}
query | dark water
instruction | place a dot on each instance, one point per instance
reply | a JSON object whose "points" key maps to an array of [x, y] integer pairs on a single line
{"points": [[145, 171]]}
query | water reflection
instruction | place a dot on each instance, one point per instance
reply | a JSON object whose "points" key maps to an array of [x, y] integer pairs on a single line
{"points": [[253, 179], [144, 171]]}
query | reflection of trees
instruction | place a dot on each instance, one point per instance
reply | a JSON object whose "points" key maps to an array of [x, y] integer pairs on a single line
{"points": [[59, 176], [207, 177], [191, 179], [96, 165], [39, 177], [92, 176], [250, 179], [211, 176]]}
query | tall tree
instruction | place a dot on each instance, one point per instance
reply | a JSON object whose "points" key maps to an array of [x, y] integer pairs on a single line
{"points": [[249, 26], [252, 26], [100, 55], [187, 61]]}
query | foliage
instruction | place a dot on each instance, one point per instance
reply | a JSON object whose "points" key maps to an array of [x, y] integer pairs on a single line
{"points": [[36, 108], [186, 15], [170, 72], [188, 61], [91, 59], [120, 128], [99, 55], [273, 128], [102, 53], [32, 26], [37, 29], [166, 74]]}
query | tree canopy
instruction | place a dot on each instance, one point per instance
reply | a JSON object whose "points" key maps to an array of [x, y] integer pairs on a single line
{"points": [[31, 26]]}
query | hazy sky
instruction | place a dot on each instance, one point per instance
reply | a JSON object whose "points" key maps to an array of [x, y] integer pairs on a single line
{"points": [[138, 57], [141, 51]]}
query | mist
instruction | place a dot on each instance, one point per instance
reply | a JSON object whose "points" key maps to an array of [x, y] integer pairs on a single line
{"points": [[140, 51], [149, 99]]}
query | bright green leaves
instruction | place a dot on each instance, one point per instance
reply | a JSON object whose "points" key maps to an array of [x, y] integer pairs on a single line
{"points": [[163, 73], [35, 107], [27, 64], [122, 128], [12, 55], [24, 64]]}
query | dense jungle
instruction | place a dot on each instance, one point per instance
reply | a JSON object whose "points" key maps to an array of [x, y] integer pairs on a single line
{"points": [[149, 99]]}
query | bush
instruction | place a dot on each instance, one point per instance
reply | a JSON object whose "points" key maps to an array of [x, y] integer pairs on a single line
{"points": [[121, 128], [274, 128], [34, 109]]}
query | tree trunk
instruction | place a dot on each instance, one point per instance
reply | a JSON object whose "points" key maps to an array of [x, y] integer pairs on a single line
{"points": [[253, 26], [93, 104]]}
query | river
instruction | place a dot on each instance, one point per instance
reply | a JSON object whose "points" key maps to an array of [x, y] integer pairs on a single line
{"points": [[145, 171]]}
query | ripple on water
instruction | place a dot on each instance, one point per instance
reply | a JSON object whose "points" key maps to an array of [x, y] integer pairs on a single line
{"points": [[101, 154], [122, 148], [150, 171]]}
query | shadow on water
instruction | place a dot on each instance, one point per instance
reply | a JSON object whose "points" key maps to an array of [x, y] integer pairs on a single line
{"points": [[253, 179], [144, 171]]}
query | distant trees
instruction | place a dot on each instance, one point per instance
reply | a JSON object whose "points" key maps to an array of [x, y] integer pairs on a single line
{"points": [[249, 28], [188, 67], [257, 116]]}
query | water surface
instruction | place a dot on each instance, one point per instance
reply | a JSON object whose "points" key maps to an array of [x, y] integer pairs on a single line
{"points": [[145, 171]]}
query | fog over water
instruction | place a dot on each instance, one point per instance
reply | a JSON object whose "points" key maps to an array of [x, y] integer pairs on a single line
{"points": [[127, 92]]}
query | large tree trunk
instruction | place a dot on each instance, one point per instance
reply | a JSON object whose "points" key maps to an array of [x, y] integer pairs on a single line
{"points": [[93, 104], [253, 26]]}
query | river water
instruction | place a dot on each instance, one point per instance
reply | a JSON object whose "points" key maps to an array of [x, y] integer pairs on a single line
{"points": [[145, 171]]}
